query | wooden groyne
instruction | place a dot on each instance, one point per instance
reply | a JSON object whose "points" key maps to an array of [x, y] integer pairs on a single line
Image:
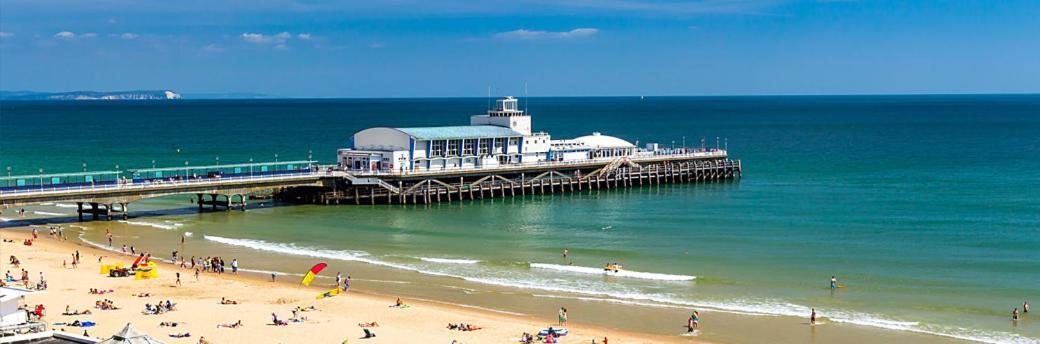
{"points": [[473, 185]]}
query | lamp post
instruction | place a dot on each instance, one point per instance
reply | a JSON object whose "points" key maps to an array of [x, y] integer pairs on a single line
{"points": [[275, 157], [153, 163], [186, 176], [84, 167], [717, 142], [310, 157], [250, 167], [684, 141], [726, 142], [41, 179]]}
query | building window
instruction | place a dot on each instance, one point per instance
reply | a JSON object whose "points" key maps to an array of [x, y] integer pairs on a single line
{"points": [[437, 148], [467, 147], [500, 144], [453, 147], [484, 146]]}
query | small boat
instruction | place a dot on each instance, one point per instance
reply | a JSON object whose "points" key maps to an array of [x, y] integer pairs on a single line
{"points": [[613, 267]]}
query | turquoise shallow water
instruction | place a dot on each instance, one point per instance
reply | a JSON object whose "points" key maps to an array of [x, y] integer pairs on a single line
{"points": [[927, 207]]}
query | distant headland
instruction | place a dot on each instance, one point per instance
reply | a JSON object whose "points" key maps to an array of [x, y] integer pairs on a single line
{"points": [[91, 95]]}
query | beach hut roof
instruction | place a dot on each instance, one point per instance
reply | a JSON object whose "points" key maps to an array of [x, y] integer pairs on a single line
{"points": [[130, 335]]}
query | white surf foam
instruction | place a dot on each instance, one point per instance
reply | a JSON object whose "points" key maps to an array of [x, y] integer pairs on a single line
{"points": [[622, 273], [150, 224], [4, 219], [45, 213], [449, 261], [619, 294], [188, 234], [64, 205]]}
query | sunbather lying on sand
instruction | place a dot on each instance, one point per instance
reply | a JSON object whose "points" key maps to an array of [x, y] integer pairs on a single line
{"points": [[224, 301], [232, 325], [368, 324], [76, 312], [464, 327], [180, 335]]}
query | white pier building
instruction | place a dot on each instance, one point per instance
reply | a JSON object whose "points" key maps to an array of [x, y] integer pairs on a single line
{"points": [[502, 136]]}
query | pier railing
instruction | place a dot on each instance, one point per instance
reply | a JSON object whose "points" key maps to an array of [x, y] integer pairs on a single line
{"points": [[511, 167], [157, 184]]}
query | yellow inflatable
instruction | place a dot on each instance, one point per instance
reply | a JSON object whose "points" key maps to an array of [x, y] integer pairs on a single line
{"points": [[147, 270]]}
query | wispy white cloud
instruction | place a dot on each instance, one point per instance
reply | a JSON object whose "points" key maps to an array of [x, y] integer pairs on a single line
{"points": [[5, 34], [540, 34], [212, 48], [376, 45], [65, 35], [304, 36], [129, 35], [260, 38], [89, 35]]}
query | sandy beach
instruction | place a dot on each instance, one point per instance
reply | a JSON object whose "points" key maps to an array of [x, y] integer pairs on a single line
{"points": [[199, 310]]}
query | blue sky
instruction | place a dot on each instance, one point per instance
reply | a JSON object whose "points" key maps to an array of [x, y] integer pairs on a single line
{"points": [[406, 48]]}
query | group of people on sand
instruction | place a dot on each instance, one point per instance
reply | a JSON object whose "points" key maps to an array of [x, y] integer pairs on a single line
{"points": [[105, 305], [159, 308], [463, 327], [209, 264]]}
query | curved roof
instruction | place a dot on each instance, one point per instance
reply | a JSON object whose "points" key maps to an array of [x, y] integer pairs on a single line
{"points": [[597, 140], [459, 132]]}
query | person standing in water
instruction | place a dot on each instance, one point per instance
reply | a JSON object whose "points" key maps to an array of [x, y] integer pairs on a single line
{"points": [[1014, 314], [1025, 307], [694, 322], [564, 253], [834, 282], [812, 317]]}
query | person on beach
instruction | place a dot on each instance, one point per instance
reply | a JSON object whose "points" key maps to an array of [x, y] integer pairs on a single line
{"points": [[694, 322], [124, 248], [1025, 307], [178, 279], [196, 275], [565, 253], [812, 317], [346, 284], [1014, 314], [234, 266], [339, 278], [272, 277], [562, 316], [834, 282]]}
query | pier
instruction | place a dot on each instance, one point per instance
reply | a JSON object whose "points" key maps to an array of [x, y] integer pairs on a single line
{"points": [[456, 185]]}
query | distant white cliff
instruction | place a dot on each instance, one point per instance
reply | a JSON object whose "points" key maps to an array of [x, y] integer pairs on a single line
{"points": [[91, 95]]}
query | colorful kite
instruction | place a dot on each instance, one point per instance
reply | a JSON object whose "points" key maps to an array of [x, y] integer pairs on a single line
{"points": [[315, 270]]}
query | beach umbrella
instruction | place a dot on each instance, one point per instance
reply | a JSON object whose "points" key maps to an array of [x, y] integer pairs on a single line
{"points": [[315, 270], [130, 335]]}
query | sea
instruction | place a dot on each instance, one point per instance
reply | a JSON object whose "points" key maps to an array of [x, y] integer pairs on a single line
{"points": [[925, 207]]}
